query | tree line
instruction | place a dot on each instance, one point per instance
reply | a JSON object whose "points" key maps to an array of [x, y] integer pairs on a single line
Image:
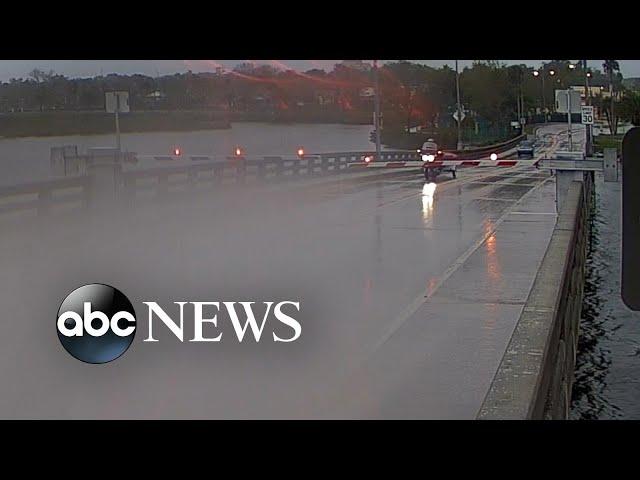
{"points": [[411, 93]]}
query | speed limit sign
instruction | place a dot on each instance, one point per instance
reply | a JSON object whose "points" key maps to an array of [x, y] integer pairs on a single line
{"points": [[587, 115]]}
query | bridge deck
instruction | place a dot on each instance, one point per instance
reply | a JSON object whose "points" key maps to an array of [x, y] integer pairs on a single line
{"points": [[409, 294]]}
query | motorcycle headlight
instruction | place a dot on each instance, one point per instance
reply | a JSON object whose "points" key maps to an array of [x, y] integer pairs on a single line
{"points": [[428, 158]]}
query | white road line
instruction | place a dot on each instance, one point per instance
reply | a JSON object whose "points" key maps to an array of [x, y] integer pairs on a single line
{"points": [[533, 213], [496, 199]]}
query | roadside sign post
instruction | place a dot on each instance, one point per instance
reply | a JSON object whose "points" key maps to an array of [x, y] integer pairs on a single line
{"points": [[376, 100], [587, 115], [117, 131], [459, 111], [462, 116], [117, 102], [568, 101], [569, 135], [587, 121]]}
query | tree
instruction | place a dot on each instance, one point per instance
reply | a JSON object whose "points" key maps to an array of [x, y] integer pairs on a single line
{"points": [[486, 89], [611, 67], [515, 74], [629, 107], [42, 79], [316, 72]]}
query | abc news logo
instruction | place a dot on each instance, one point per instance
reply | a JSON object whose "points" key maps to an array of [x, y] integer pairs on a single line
{"points": [[97, 323]]}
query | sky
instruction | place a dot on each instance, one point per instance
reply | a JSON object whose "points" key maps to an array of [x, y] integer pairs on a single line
{"points": [[89, 68]]}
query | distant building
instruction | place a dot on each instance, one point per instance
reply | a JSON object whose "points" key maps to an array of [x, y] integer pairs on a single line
{"points": [[367, 92], [155, 99], [156, 95], [594, 91], [325, 96]]}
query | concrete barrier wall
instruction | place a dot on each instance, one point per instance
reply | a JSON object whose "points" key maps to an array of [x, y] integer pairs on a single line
{"points": [[536, 374]]}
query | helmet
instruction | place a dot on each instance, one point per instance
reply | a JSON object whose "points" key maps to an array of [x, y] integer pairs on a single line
{"points": [[430, 140]]}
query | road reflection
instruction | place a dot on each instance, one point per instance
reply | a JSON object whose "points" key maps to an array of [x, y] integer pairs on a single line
{"points": [[428, 191], [493, 263]]}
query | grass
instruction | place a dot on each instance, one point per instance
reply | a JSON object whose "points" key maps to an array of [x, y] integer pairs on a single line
{"points": [[608, 141]]}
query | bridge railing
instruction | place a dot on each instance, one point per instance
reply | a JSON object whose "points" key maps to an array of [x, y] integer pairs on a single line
{"points": [[236, 169], [106, 179], [497, 148], [111, 179], [42, 196]]}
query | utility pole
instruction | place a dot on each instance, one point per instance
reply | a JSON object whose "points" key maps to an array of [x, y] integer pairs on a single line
{"points": [[377, 108], [614, 122], [118, 143], [544, 99], [518, 106], [540, 73], [459, 146], [521, 103]]}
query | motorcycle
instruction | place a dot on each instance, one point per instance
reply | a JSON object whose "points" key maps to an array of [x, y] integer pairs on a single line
{"points": [[432, 163]]}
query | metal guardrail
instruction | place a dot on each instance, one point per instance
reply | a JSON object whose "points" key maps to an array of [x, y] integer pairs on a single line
{"points": [[110, 179], [42, 196], [498, 148], [238, 168]]}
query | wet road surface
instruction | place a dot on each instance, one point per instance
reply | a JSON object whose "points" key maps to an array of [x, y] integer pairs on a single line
{"points": [[409, 293]]}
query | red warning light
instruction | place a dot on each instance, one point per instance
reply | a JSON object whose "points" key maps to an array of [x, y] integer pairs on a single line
{"points": [[301, 152], [176, 152], [238, 152]]}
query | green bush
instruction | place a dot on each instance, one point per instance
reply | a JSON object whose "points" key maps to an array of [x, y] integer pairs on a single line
{"points": [[607, 141]]}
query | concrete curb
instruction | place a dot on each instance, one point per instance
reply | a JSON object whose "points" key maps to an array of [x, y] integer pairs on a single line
{"points": [[536, 373]]}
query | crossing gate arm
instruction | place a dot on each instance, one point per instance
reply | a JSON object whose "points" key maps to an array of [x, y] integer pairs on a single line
{"points": [[485, 161]]}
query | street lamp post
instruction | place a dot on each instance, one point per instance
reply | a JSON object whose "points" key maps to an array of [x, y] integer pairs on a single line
{"points": [[536, 73], [377, 108], [587, 101]]}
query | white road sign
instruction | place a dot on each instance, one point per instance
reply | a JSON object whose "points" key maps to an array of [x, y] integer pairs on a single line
{"points": [[564, 98], [587, 115], [117, 102], [455, 115]]}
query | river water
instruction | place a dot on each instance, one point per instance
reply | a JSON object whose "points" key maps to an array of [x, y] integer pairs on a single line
{"points": [[27, 159], [607, 382]]}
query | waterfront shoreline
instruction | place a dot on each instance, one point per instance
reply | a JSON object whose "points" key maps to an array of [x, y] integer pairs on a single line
{"points": [[91, 122], [66, 123]]}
